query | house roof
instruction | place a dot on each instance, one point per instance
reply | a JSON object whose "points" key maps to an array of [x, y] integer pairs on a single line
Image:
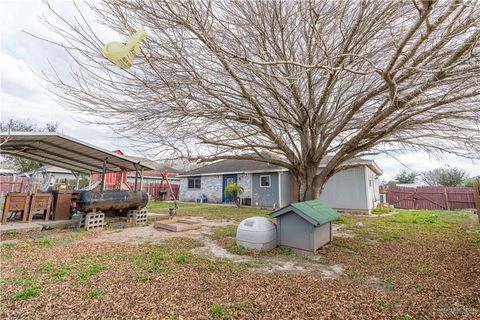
{"points": [[234, 166], [313, 211], [252, 166], [157, 166]]}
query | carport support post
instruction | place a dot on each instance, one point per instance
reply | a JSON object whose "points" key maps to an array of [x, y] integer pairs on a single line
{"points": [[104, 169], [121, 179], [141, 179], [136, 176]]}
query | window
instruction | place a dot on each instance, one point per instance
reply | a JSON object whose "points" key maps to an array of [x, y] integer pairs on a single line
{"points": [[265, 181], [194, 182]]}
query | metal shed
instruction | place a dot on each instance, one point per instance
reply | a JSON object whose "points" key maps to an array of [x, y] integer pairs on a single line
{"points": [[305, 226]]}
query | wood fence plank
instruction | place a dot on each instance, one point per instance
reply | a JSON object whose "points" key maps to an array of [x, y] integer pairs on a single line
{"points": [[431, 198]]}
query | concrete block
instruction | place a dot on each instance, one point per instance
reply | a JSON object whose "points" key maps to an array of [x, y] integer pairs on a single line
{"points": [[137, 217], [94, 220]]}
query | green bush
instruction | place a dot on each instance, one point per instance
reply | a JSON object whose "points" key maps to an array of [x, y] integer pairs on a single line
{"points": [[382, 210]]}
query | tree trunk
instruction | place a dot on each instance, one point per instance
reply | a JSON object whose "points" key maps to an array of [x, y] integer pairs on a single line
{"points": [[310, 184]]}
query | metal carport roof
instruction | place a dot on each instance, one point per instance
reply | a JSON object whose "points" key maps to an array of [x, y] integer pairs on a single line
{"points": [[66, 152]]}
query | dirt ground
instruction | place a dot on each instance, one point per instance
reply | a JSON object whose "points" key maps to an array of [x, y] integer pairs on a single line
{"points": [[148, 234], [409, 265], [211, 250]]}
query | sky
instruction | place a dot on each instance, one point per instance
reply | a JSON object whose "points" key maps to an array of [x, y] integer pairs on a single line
{"points": [[22, 96]]}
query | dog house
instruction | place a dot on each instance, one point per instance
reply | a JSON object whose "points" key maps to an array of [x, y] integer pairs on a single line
{"points": [[257, 233], [305, 226]]}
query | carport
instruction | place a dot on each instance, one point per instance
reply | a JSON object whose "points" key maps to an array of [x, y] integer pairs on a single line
{"points": [[69, 153], [62, 151]]}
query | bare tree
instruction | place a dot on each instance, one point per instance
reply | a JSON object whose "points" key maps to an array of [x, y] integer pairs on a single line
{"points": [[290, 83]]}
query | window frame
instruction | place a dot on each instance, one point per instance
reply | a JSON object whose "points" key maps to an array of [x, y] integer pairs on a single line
{"points": [[194, 179], [269, 181]]}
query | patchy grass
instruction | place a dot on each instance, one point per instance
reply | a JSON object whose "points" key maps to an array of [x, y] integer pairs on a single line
{"points": [[408, 265], [27, 294], [218, 312], [44, 242], [182, 258], [343, 220], [408, 224], [62, 273], [286, 251], [89, 270], [209, 211], [47, 267], [95, 294], [8, 245]]}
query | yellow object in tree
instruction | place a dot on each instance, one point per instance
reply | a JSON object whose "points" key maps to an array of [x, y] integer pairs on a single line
{"points": [[123, 54]]}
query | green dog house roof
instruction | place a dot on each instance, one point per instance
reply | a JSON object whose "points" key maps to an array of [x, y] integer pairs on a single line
{"points": [[312, 211]]}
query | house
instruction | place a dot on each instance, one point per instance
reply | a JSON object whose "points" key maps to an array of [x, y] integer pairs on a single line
{"points": [[305, 226], [149, 176], [355, 188], [154, 176]]}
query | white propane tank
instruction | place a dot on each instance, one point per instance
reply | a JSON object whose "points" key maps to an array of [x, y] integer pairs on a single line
{"points": [[257, 233]]}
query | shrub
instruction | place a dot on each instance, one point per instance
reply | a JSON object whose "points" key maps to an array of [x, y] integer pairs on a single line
{"points": [[382, 210]]}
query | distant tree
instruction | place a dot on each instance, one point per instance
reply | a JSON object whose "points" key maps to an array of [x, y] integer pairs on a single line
{"points": [[469, 183], [406, 177], [447, 177], [22, 164]]}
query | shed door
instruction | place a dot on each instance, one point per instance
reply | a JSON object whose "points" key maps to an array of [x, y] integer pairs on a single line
{"points": [[295, 232], [227, 179]]}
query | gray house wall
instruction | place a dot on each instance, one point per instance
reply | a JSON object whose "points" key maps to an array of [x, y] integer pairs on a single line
{"points": [[244, 180], [265, 196], [347, 189], [373, 188], [285, 189], [355, 189], [211, 186]]}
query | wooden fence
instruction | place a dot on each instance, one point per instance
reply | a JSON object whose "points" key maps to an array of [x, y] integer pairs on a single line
{"points": [[23, 184], [431, 198], [19, 184], [476, 193]]}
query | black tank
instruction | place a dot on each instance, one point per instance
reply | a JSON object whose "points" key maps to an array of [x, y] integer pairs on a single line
{"points": [[88, 201]]}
